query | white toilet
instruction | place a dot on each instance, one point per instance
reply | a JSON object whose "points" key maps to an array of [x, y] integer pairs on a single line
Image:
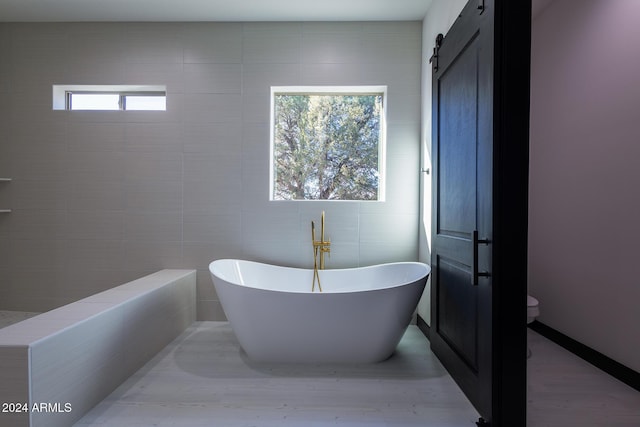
{"points": [[533, 310]]}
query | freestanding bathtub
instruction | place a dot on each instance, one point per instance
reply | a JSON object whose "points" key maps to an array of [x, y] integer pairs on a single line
{"points": [[359, 317]]}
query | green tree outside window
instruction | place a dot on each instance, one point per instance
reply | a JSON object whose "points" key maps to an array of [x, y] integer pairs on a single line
{"points": [[327, 146]]}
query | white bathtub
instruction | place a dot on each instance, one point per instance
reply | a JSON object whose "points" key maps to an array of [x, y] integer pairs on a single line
{"points": [[359, 317]]}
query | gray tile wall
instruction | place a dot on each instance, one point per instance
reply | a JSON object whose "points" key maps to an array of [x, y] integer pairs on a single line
{"points": [[101, 198]]}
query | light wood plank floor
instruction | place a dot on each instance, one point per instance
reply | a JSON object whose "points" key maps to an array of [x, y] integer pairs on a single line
{"points": [[204, 379], [565, 391]]}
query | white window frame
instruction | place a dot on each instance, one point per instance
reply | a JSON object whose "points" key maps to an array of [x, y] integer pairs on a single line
{"points": [[332, 90], [62, 94]]}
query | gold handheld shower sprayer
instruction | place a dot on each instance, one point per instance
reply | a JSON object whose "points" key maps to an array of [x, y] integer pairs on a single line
{"points": [[320, 247]]}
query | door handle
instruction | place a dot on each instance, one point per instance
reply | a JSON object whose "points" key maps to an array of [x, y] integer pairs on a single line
{"points": [[475, 274]]}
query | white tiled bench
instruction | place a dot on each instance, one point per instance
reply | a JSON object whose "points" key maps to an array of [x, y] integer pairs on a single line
{"points": [[63, 362]]}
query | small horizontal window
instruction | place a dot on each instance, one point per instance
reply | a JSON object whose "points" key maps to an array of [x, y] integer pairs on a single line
{"points": [[93, 101], [145, 102], [109, 97]]}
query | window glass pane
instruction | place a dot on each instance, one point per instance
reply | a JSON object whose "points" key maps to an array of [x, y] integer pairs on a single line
{"points": [[95, 101], [139, 102], [327, 146]]}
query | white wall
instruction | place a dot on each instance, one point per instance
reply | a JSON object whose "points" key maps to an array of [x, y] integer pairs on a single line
{"points": [[101, 198], [441, 15], [585, 148]]}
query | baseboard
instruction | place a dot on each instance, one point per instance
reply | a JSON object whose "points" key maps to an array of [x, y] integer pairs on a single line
{"points": [[597, 359], [423, 326]]}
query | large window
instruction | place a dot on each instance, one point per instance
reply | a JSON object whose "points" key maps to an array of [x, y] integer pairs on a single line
{"points": [[327, 143]]}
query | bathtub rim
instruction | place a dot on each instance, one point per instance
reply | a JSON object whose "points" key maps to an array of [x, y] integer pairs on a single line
{"points": [[333, 271]]}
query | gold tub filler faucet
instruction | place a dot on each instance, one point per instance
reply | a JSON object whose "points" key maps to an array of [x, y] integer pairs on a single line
{"points": [[320, 247]]}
